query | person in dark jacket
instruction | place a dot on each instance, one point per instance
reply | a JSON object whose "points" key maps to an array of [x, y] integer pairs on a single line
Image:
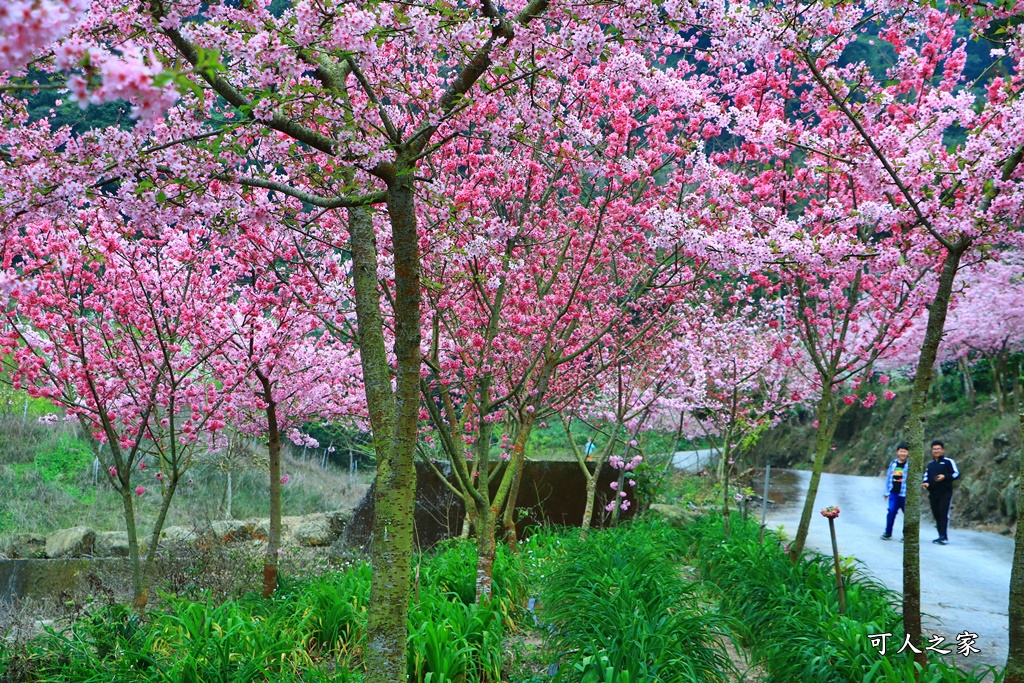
{"points": [[939, 476], [896, 488]]}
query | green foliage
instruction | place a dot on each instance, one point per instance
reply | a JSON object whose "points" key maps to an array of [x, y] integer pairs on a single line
{"points": [[452, 572], [63, 461], [617, 602], [312, 630], [452, 642], [789, 612]]}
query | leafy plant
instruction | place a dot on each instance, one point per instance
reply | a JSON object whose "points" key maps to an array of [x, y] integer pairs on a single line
{"points": [[617, 602]]}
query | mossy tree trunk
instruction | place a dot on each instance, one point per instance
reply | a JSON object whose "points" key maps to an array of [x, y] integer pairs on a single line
{"points": [[1015, 655], [826, 417], [391, 548], [937, 311]]}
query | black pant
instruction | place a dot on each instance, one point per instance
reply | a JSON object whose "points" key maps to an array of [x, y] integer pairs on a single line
{"points": [[941, 501]]}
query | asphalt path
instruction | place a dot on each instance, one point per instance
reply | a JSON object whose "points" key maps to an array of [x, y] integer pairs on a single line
{"points": [[964, 585], [694, 461]]}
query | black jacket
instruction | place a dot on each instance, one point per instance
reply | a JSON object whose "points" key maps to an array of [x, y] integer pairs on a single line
{"points": [[944, 466]]}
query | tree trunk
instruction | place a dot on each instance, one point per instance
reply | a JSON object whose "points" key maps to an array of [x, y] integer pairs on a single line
{"points": [[997, 379], [517, 463], [1015, 656], [915, 465], [139, 592], [588, 509], [165, 504], [486, 546], [826, 417], [227, 496], [725, 486], [392, 546], [270, 560], [968, 381]]}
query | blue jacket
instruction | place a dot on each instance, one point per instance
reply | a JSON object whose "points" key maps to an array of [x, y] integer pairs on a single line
{"points": [[888, 478]]}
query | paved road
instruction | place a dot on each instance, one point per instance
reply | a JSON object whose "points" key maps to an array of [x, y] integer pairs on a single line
{"points": [[694, 461], [964, 585]]}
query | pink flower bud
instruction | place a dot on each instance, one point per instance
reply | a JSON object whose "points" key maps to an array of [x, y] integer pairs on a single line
{"points": [[139, 490], [285, 479], [831, 512], [160, 476], [888, 395], [614, 485], [849, 399], [113, 472], [142, 467]]}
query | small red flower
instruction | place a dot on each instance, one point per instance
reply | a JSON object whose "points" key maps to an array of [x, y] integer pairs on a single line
{"points": [[831, 511]]}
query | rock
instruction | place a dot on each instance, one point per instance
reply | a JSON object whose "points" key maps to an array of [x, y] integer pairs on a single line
{"points": [[315, 531], [1001, 442], [1010, 500], [230, 530], [338, 520], [29, 546], [112, 544], [73, 542], [178, 535], [674, 515], [261, 527], [1002, 457]]}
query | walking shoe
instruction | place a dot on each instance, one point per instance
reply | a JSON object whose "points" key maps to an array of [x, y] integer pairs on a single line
{"points": [[901, 539], [886, 537], [943, 541], [940, 541]]}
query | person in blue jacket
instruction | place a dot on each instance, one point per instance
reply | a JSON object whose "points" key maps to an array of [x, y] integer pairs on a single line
{"points": [[939, 476], [896, 488]]}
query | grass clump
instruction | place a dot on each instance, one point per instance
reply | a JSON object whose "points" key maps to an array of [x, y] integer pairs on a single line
{"points": [[789, 614], [620, 611]]}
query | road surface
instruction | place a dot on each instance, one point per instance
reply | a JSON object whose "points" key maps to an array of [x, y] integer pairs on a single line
{"points": [[694, 461], [964, 585]]}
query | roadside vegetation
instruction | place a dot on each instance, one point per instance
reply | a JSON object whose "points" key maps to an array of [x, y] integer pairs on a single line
{"points": [[646, 602]]}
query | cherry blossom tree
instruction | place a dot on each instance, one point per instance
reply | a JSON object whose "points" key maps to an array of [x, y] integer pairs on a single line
{"points": [[986, 320], [293, 373], [740, 378], [542, 244], [113, 315]]}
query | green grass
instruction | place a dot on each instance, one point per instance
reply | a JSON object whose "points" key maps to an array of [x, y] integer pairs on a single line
{"points": [[620, 611]]}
